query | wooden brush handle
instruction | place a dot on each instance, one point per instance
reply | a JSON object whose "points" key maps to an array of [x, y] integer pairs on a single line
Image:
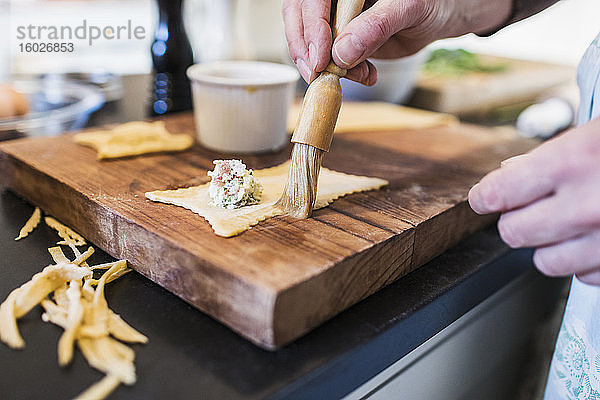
{"points": [[323, 99], [345, 12]]}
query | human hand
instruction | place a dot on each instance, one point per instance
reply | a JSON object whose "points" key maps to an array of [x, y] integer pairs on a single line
{"points": [[550, 199], [385, 29]]}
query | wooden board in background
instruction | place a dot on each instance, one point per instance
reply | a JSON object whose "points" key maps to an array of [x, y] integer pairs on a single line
{"points": [[476, 93], [283, 277]]}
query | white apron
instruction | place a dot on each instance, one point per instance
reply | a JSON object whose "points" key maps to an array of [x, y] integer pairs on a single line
{"points": [[575, 369]]}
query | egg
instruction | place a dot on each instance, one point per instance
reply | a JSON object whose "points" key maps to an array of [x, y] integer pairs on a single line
{"points": [[12, 103]]}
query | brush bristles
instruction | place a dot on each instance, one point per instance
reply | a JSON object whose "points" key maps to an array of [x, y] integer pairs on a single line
{"points": [[300, 193]]}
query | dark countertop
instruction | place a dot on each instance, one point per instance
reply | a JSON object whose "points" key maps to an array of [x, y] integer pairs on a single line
{"points": [[190, 355]]}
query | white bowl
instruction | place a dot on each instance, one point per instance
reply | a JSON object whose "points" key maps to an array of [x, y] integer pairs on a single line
{"points": [[395, 80], [241, 106]]}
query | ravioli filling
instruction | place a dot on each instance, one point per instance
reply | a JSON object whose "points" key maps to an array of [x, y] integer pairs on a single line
{"points": [[232, 185]]}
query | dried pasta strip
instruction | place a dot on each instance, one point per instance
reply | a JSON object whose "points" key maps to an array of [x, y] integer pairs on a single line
{"points": [[95, 317], [57, 255], [118, 274], [87, 290], [70, 298], [67, 234], [105, 356], [101, 389], [101, 352], [43, 283], [54, 313], [106, 265], [96, 309], [9, 332], [60, 296], [87, 287], [25, 297], [123, 331], [77, 253], [31, 224], [74, 318], [80, 259], [123, 351], [58, 316], [92, 331], [98, 316], [118, 269], [96, 312]]}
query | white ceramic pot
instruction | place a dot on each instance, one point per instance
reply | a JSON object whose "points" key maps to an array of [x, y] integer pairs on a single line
{"points": [[241, 106], [395, 80]]}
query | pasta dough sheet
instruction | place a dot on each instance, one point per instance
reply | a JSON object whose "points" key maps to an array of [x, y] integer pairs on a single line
{"points": [[378, 116], [224, 222], [132, 139]]}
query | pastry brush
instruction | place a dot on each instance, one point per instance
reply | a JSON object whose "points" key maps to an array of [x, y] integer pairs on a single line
{"points": [[314, 130]]}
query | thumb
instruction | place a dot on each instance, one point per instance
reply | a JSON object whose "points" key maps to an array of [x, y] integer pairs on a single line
{"points": [[373, 27]]}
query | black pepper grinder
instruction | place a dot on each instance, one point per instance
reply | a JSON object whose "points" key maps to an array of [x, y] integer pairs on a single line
{"points": [[171, 56]]}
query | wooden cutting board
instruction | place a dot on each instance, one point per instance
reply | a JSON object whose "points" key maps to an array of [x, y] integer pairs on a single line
{"points": [[479, 92], [284, 277]]}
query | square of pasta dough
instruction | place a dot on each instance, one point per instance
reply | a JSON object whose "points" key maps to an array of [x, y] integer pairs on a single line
{"points": [[230, 222], [134, 139], [368, 116]]}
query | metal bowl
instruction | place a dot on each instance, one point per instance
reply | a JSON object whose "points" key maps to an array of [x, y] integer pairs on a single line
{"points": [[56, 105]]}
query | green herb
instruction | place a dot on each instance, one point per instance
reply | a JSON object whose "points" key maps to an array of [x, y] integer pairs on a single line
{"points": [[459, 62]]}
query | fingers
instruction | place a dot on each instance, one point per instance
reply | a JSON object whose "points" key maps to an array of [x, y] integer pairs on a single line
{"points": [[558, 164], [317, 33], [590, 278], [524, 179], [550, 200], [372, 28], [364, 73], [512, 159], [579, 256], [308, 35], [546, 221], [294, 34], [517, 183]]}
